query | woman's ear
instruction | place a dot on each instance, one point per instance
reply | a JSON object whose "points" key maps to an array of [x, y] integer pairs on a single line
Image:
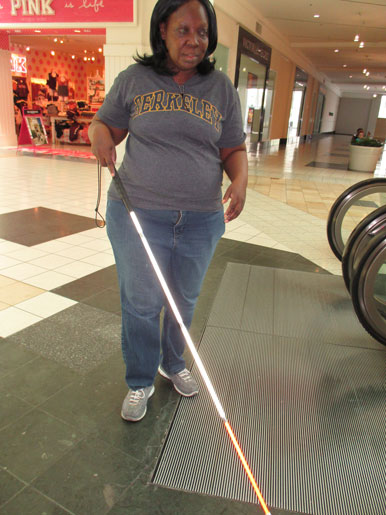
{"points": [[162, 29]]}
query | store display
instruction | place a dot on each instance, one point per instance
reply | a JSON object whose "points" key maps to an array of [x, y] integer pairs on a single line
{"points": [[67, 91], [32, 130]]}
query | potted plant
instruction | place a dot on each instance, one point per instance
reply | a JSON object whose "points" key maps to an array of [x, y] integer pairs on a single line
{"points": [[364, 154]]}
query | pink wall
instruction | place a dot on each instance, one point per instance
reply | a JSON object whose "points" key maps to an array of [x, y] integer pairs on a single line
{"points": [[40, 63]]}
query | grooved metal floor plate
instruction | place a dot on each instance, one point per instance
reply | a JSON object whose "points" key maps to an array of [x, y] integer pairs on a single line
{"points": [[304, 388]]}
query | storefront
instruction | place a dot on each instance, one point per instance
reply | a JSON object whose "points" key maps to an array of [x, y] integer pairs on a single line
{"points": [[59, 72], [58, 69], [255, 86]]}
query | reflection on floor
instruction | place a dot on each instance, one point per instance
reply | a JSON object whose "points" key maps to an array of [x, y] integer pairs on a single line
{"points": [[63, 447]]}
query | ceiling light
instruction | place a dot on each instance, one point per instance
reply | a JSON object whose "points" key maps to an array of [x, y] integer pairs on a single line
{"points": [[93, 58], [76, 30], [52, 52], [365, 86], [99, 50], [350, 76], [336, 50], [55, 39], [85, 51], [368, 87], [367, 74], [28, 48], [345, 66], [62, 41], [364, 70], [374, 96], [356, 37], [84, 58], [72, 57], [37, 30], [316, 15], [361, 44]]}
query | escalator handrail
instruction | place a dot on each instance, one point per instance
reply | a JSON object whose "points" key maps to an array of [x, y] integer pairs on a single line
{"points": [[341, 206], [372, 223], [366, 307]]}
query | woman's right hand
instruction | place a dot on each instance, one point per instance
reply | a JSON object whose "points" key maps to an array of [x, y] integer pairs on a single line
{"points": [[103, 141]]}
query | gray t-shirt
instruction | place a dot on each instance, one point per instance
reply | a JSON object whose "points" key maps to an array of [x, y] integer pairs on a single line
{"points": [[172, 156]]}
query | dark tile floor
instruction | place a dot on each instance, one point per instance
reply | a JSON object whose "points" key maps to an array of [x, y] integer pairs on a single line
{"points": [[37, 225], [333, 166], [63, 446]]}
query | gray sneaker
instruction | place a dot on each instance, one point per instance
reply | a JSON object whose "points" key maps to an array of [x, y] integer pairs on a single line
{"points": [[135, 403], [183, 382]]}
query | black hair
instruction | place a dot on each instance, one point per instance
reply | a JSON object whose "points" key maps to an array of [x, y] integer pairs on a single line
{"points": [[158, 60]]}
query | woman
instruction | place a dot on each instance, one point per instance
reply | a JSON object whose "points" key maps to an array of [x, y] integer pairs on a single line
{"points": [[184, 125]]}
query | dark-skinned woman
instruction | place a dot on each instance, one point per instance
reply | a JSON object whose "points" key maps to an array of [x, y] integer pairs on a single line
{"points": [[184, 124]]}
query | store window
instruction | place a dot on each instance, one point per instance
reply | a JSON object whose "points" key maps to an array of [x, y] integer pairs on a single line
{"points": [[297, 104], [252, 81]]}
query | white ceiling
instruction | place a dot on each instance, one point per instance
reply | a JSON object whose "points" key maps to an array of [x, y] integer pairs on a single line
{"points": [[72, 43], [317, 38]]}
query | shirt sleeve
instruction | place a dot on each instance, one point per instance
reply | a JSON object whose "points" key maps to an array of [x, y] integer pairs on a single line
{"points": [[115, 110], [233, 133]]}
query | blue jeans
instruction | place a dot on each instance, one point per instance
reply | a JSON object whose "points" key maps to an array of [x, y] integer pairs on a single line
{"points": [[183, 243]]}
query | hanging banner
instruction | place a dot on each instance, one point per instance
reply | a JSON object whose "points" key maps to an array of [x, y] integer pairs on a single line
{"points": [[62, 11]]}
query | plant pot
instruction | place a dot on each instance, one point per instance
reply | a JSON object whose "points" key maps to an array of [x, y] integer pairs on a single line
{"points": [[364, 159]]}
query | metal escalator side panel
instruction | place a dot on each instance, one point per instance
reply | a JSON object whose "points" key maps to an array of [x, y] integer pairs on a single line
{"points": [[371, 310], [342, 204]]}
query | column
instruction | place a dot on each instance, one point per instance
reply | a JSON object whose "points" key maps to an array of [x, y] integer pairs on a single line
{"points": [[7, 118]]}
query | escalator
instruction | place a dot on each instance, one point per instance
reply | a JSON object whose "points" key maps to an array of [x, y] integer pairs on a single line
{"points": [[357, 201], [362, 249]]}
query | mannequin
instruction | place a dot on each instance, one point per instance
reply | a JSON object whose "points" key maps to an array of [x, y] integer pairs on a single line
{"points": [[51, 83], [62, 90]]}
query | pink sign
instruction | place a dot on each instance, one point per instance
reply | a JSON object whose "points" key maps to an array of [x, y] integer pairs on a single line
{"points": [[18, 63], [62, 11]]}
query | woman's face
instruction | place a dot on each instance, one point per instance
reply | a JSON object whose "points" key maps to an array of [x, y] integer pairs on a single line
{"points": [[186, 36]]}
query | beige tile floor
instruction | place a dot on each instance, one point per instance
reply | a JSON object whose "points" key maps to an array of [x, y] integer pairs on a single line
{"points": [[287, 207]]}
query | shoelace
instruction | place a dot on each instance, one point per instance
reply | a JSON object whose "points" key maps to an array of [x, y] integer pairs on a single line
{"points": [[136, 396], [184, 374]]}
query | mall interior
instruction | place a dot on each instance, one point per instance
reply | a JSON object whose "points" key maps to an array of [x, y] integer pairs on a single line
{"points": [[290, 326]]}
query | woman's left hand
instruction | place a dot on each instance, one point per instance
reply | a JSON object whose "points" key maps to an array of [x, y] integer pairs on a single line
{"points": [[236, 193]]}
